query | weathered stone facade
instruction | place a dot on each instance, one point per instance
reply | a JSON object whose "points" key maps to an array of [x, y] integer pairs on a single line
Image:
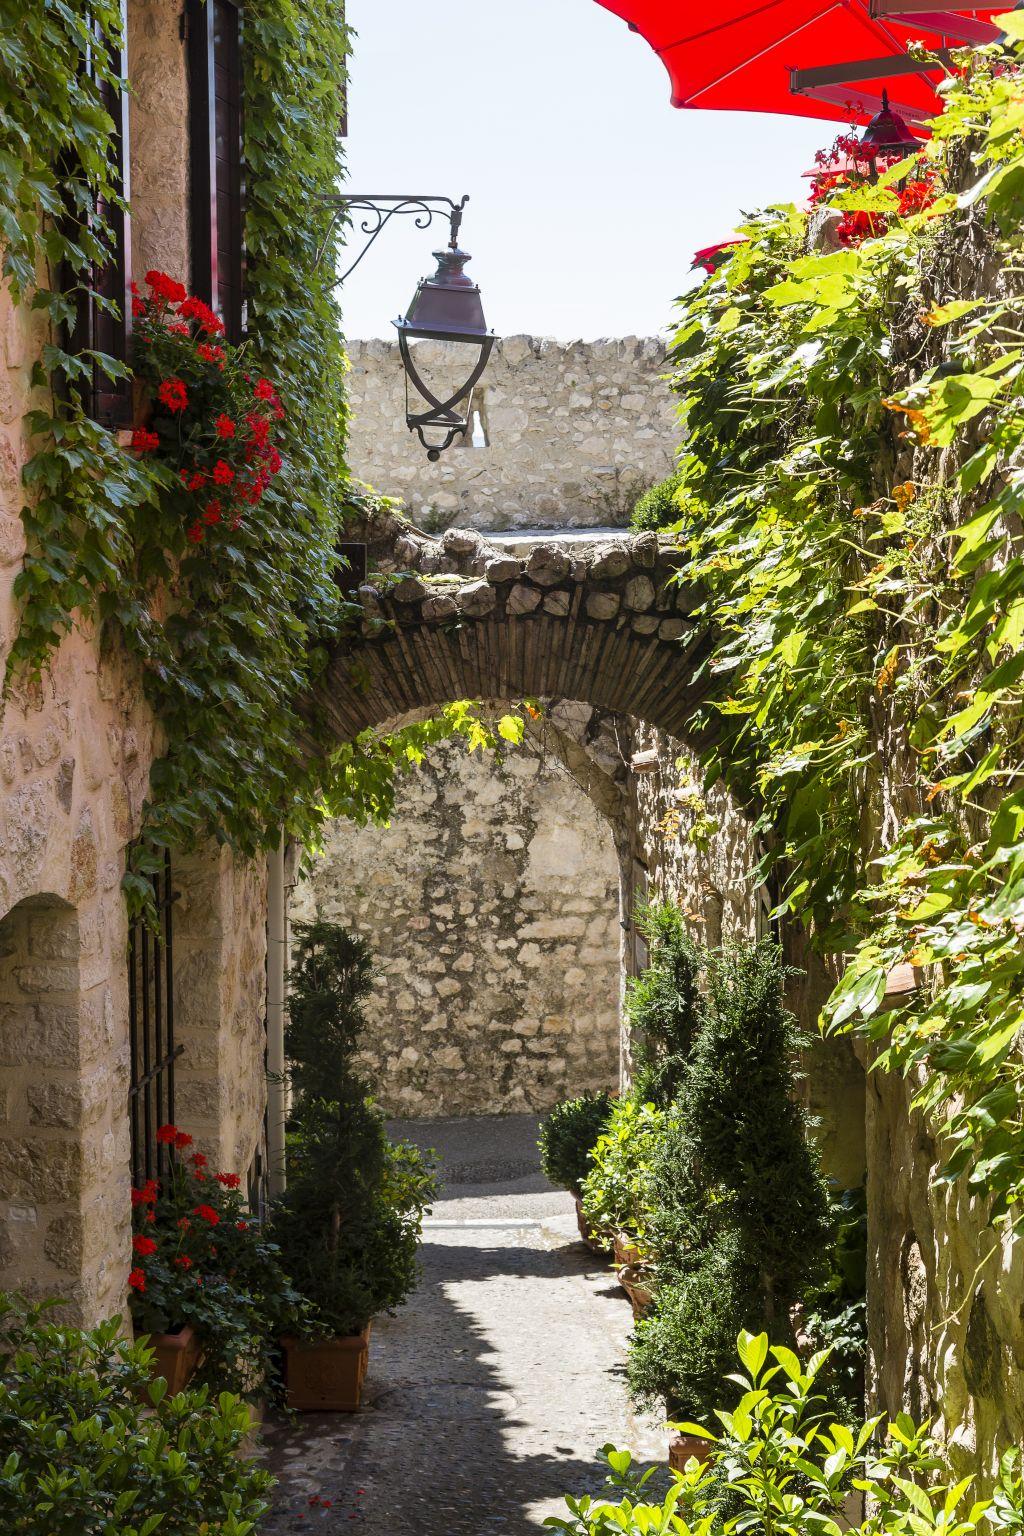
{"points": [[574, 432], [75, 755], [491, 904]]}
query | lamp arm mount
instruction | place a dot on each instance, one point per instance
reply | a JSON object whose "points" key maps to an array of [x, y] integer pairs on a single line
{"points": [[378, 209]]}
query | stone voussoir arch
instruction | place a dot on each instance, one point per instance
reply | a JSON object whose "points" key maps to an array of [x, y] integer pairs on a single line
{"points": [[457, 618]]}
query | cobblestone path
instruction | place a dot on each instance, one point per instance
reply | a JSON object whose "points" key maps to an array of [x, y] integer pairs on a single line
{"points": [[490, 1392]]}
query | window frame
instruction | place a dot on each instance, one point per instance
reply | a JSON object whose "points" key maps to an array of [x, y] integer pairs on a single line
{"points": [[210, 260]]}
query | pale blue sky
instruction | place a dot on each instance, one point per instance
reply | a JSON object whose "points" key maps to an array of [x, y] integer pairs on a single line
{"points": [[588, 192]]}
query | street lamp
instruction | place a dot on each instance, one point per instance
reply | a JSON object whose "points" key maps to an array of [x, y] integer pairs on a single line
{"points": [[446, 307], [887, 135]]}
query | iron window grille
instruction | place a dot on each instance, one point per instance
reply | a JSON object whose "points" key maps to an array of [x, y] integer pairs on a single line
{"points": [[214, 37], [151, 1031]]}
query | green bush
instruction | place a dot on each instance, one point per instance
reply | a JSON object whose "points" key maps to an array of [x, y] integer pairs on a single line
{"points": [[569, 1135], [778, 1462], [349, 1224], [616, 1193], [836, 1310], [658, 507], [664, 1006], [90, 1446], [741, 1223]]}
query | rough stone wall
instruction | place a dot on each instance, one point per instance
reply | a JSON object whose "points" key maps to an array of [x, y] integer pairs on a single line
{"points": [[75, 755], [696, 846], [220, 977], [491, 906], [574, 433]]}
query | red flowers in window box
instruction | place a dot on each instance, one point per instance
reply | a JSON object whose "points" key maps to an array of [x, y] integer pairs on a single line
{"points": [[137, 1280], [207, 1214], [164, 287], [143, 1246], [144, 440], [229, 1180], [225, 426], [173, 394]]}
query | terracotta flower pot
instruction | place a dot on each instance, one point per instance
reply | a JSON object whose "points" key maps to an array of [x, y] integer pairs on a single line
{"points": [[326, 1376], [626, 1250], [631, 1279], [176, 1357], [683, 1448]]}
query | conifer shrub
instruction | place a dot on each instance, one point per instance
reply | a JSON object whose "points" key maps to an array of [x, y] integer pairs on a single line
{"points": [[740, 1219], [569, 1135], [350, 1221], [664, 1004]]}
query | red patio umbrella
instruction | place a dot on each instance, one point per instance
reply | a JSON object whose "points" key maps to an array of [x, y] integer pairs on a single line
{"points": [[809, 58]]}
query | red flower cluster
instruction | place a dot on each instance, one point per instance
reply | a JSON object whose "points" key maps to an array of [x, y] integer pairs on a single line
{"points": [[845, 167], [143, 1246], [137, 1280], [229, 1180], [207, 1213], [222, 420], [170, 1136]]}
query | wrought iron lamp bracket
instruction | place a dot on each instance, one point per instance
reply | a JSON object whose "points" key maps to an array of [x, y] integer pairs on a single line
{"points": [[380, 208]]}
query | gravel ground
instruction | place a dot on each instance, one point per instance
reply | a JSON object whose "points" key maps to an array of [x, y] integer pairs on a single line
{"points": [[490, 1392]]}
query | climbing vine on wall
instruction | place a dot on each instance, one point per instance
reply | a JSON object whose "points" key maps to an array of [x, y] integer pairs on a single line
{"points": [[230, 632], [851, 500]]}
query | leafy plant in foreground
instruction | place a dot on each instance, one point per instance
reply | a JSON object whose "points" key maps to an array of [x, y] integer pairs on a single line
{"points": [[90, 1446], [780, 1465]]}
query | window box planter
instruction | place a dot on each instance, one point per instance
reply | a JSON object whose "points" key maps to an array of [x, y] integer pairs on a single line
{"points": [[176, 1357], [326, 1375], [681, 1448]]}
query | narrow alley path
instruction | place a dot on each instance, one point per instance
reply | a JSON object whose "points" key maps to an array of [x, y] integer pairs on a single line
{"points": [[491, 1391]]}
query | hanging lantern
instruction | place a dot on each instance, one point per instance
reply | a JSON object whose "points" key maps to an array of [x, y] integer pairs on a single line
{"points": [[446, 307], [887, 135]]}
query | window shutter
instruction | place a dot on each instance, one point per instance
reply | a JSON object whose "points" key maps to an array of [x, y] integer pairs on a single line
{"points": [[109, 401], [215, 84]]}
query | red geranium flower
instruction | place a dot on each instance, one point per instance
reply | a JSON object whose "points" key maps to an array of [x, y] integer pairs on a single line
{"points": [[182, 1140], [173, 394], [213, 512], [148, 1193], [184, 1262], [195, 533], [242, 1226], [225, 426], [198, 1160], [137, 1280], [207, 1213], [166, 1134], [264, 390], [178, 329], [229, 1180], [223, 474], [183, 1223], [211, 354], [144, 440], [138, 308], [195, 309], [165, 287], [143, 1246], [197, 481]]}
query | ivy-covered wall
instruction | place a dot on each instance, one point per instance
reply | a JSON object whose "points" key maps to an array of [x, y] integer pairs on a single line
{"points": [[850, 499]]}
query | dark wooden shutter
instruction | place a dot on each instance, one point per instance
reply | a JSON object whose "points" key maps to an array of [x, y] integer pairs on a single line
{"points": [[96, 328], [215, 84]]}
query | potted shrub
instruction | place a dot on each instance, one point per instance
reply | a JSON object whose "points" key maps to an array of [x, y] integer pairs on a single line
{"points": [[567, 1138], [739, 1211], [616, 1196], [350, 1222], [207, 1287], [89, 1444]]}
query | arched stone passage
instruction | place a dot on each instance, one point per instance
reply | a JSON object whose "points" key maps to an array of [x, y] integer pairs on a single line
{"points": [[608, 626], [491, 908], [43, 1100]]}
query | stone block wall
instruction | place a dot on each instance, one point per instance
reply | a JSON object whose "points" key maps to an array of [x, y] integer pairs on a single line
{"points": [[574, 432], [491, 905], [75, 754]]}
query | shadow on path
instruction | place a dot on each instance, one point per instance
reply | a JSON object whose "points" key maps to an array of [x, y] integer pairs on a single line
{"points": [[488, 1394]]}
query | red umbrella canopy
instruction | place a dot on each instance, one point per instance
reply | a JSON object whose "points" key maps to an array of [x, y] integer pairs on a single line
{"points": [[809, 58]]}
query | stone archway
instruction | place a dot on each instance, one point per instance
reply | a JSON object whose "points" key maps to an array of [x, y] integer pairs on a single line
{"points": [[456, 618]]}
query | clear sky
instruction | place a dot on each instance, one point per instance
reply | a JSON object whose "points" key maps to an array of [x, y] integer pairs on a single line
{"points": [[588, 192]]}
